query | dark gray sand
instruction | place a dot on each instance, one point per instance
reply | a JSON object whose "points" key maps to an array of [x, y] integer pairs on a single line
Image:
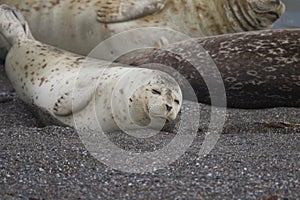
{"points": [[257, 157]]}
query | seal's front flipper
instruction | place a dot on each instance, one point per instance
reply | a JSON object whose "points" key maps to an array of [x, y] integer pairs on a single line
{"points": [[113, 11], [73, 101]]}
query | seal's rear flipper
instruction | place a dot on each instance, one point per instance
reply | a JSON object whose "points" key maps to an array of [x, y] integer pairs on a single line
{"points": [[13, 27]]}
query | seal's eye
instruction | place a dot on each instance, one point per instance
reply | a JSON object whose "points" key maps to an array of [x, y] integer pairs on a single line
{"points": [[176, 101], [156, 92]]}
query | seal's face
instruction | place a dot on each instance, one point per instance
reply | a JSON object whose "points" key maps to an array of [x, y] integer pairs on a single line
{"points": [[266, 12], [155, 103]]}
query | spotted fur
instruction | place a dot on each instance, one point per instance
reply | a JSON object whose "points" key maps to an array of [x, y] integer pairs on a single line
{"points": [[79, 25], [64, 86], [259, 69]]}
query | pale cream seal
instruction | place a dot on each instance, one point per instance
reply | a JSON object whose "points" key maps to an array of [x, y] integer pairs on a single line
{"points": [[60, 84], [79, 26]]}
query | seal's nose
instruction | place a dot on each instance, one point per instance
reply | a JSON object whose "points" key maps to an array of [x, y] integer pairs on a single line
{"points": [[169, 108]]}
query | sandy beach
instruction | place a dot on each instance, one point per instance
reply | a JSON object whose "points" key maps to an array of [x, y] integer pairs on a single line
{"points": [[256, 157]]}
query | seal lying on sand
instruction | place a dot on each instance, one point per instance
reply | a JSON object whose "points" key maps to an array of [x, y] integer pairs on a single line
{"points": [[78, 26], [60, 84], [259, 69]]}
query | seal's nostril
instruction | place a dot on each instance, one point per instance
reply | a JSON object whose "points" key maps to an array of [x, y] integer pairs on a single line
{"points": [[169, 108]]}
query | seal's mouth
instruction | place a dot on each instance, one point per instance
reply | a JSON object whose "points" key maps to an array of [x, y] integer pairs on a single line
{"points": [[157, 116], [272, 13], [163, 118]]}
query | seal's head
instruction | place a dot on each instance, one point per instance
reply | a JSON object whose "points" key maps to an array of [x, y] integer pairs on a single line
{"points": [[266, 12], [249, 15], [155, 103]]}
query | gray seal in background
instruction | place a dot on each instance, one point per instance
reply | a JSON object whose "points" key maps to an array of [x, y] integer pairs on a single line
{"points": [[259, 69]]}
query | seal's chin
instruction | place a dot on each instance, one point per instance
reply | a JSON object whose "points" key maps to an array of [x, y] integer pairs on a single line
{"points": [[158, 122], [157, 116]]}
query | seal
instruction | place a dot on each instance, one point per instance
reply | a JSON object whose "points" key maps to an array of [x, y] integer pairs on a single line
{"points": [[78, 26], [260, 69], [60, 85]]}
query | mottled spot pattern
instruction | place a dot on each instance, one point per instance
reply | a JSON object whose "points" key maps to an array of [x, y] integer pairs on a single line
{"points": [[59, 85], [259, 69], [79, 25]]}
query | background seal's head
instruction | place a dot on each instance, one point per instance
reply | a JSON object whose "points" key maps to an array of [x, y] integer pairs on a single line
{"points": [[265, 12]]}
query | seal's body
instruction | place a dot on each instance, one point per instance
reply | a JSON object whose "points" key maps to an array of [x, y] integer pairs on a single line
{"points": [[78, 26], [259, 69], [61, 85]]}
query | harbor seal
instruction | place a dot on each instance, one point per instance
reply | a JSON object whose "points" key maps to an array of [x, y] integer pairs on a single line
{"points": [[259, 69], [78, 26], [59, 84]]}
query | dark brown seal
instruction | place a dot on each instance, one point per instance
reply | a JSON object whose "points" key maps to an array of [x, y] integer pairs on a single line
{"points": [[259, 69]]}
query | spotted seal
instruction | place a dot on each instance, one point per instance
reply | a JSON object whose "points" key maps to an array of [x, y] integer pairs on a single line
{"points": [[259, 69], [78, 26], [60, 84]]}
